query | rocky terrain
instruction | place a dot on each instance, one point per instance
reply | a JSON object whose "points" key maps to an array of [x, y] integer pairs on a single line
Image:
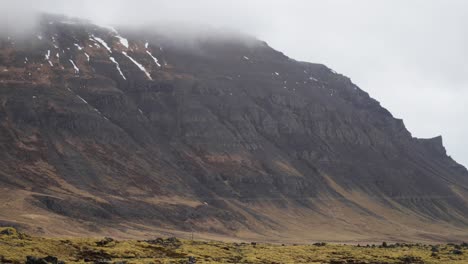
{"points": [[135, 132]]}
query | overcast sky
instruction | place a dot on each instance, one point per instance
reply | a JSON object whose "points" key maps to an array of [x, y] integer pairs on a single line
{"points": [[411, 55]]}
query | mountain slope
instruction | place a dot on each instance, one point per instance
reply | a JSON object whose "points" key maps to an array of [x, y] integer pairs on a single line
{"points": [[137, 131]]}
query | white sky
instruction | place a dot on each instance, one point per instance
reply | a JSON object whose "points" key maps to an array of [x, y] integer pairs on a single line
{"points": [[411, 55]]}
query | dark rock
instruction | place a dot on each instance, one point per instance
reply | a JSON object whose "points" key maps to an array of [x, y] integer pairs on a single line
{"points": [[8, 231], [320, 244], [169, 242], [90, 255], [105, 242], [35, 260], [338, 261], [192, 260], [102, 261], [51, 259], [411, 260], [46, 260], [158, 240]]}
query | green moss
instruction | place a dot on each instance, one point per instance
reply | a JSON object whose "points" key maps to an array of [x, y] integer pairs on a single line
{"points": [[15, 246]]}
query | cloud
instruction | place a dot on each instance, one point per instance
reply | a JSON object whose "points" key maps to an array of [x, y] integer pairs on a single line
{"points": [[232, 14], [17, 17], [409, 55]]}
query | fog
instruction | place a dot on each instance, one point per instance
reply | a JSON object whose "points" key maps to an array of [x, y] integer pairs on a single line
{"points": [[409, 55]]}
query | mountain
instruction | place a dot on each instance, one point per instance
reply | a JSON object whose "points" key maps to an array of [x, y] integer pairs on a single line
{"points": [[139, 132]]}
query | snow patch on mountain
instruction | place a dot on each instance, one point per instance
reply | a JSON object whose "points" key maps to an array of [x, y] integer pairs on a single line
{"points": [[81, 98], [138, 65], [154, 58], [47, 56], [118, 67], [102, 42], [123, 41], [77, 70]]}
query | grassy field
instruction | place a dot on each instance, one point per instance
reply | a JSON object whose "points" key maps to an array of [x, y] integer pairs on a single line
{"points": [[15, 247]]}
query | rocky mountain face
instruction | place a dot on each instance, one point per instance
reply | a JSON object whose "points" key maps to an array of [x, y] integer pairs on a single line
{"points": [[138, 132]]}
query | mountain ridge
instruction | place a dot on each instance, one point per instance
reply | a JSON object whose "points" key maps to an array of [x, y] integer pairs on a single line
{"points": [[124, 131]]}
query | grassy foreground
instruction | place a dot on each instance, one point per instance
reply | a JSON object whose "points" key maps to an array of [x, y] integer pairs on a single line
{"points": [[15, 247]]}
